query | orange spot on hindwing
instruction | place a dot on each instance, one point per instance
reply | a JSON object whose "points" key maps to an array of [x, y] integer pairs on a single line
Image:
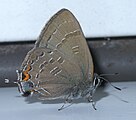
{"points": [[25, 74]]}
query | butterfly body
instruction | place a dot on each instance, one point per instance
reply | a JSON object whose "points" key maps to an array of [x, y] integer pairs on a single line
{"points": [[60, 64]]}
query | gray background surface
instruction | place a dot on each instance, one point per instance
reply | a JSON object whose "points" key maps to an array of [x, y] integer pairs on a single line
{"points": [[111, 104]]}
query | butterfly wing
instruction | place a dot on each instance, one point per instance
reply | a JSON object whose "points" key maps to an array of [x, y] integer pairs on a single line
{"points": [[60, 59], [64, 33]]}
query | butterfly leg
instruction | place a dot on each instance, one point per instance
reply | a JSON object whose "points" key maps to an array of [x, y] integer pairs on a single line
{"points": [[90, 99], [66, 101]]}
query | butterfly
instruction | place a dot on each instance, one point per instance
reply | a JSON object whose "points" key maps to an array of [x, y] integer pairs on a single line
{"points": [[60, 65]]}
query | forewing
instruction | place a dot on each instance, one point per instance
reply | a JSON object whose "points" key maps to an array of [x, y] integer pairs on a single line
{"points": [[60, 58], [64, 33]]}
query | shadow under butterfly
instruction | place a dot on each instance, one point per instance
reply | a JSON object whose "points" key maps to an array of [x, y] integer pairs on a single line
{"points": [[60, 65]]}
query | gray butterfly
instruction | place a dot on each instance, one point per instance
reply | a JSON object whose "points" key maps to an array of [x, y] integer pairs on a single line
{"points": [[60, 64]]}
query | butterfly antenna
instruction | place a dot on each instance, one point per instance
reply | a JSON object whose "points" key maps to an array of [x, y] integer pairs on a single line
{"points": [[109, 82]]}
